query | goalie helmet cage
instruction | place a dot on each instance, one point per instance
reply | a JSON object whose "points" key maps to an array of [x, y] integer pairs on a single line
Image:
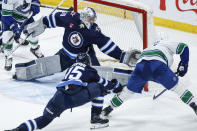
{"points": [[125, 5]]}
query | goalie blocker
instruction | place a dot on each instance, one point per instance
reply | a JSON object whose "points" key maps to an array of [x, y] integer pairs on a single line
{"points": [[40, 67]]}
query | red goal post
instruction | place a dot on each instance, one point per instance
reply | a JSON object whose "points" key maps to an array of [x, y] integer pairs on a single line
{"points": [[129, 6]]}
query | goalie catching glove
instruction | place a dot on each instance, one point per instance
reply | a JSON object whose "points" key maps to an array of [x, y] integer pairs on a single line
{"points": [[36, 28], [130, 57]]}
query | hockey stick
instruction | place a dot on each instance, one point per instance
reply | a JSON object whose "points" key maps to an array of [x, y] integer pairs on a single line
{"points": [[156, 96], [12, 51], [59, 8], [21, 28], [32, 32]]}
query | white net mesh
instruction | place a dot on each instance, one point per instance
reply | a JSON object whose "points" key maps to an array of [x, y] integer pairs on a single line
{"points": [[118, 24]]}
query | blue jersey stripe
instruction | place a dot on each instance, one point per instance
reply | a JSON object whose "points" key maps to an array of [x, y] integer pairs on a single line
{"points": [[74, 82], [106, 45]]}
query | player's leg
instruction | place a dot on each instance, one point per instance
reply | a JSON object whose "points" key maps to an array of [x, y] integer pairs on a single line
{"points": [[135, 85], [96, 120], [62, 100], [35, 47], [43, 67], [7, 50], [170, 81], [53, 109]]}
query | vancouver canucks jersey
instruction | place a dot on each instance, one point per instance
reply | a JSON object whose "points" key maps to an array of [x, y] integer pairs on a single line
{"points": [[77, 38], [163, 51], [18, 9], [81, 74]]}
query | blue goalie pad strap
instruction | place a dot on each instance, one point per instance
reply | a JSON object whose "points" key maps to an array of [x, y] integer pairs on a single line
{"points": [[121, 71], [19, 65]]}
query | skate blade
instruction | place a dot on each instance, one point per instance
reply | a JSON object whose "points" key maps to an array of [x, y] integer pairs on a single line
{"points": [[98, 126]]}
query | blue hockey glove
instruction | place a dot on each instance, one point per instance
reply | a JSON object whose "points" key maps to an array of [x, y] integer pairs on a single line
{"points": [[17, 32], [182, 68], [117, 86], [35, 9]]}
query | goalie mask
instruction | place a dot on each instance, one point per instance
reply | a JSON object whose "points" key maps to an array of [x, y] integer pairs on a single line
{"points": [[83, 58], [88, 16]]}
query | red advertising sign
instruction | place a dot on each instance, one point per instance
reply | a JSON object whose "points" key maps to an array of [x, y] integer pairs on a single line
{"points": [[191, 5]]}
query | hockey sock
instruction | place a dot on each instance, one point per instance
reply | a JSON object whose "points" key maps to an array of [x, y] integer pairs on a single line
{"points": [[118, 99], [30, 125], [185, 95], [97, 105], [33, 44], [43, 121]]}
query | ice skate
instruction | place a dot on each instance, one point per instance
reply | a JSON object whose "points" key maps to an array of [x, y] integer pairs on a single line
{"points": [[8, 63], [194, 107], [98, 122], [106, 111], [36, 52]]}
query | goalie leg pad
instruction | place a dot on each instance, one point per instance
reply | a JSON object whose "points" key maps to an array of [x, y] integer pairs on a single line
{"points": [[110, 73], [38, 68]]}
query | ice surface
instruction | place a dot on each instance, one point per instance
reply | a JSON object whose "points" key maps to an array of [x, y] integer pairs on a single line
{"points": [[21, 101]]}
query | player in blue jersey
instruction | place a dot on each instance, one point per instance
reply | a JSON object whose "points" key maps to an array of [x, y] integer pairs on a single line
{"points": [[154, 65], [14, 13], [81, 32], [80, 85]]}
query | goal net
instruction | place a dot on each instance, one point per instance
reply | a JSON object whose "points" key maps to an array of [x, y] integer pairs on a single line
{"points": [[128, 23], [124, 21]]}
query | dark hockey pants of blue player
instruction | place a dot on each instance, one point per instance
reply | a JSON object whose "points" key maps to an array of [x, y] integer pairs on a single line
{"points": [[61, 101]]}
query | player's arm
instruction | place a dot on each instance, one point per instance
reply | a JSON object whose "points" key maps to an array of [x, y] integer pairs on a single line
{"points": [[107, 46], [108, 85], [183, 51], [35, 7], [59, 19]]}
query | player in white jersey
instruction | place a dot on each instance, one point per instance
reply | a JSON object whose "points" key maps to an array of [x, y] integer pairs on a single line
{"points": [[14, 13], [154, 65]]}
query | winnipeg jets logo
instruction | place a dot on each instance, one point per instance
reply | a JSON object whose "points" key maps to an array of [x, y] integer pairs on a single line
{"points": [[75, 39]]}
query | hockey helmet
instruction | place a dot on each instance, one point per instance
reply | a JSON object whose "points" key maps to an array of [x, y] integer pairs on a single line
{"points": [[83, 58], [88, 16]]}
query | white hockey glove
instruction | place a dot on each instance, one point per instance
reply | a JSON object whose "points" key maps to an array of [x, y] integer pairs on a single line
{"points": [[130, 57], [36, 28]]}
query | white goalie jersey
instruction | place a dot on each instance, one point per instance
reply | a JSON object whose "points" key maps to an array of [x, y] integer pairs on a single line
{"points": [[19, 9], [162, 51]]}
